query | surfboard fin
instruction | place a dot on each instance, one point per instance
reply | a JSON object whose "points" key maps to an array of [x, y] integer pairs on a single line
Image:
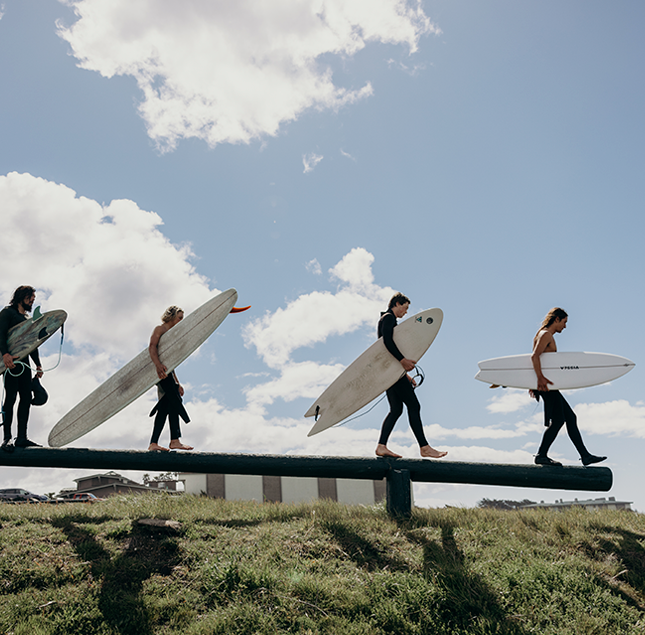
{"points": [[494, 386], [37, 314], [236, 309]]}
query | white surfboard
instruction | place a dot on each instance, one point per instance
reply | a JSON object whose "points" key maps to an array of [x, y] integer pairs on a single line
{"points": [[140, 374], [565, 369], [374, 371], [26, 337]]}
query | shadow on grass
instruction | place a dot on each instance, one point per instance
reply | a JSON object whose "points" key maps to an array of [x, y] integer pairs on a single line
{"points": [[631, 552], [367, 554], [468, 605], [142, 553]]}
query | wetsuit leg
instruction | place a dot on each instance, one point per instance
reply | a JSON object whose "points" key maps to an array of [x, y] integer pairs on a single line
{"points": [[175, 430], [396, 409], [572, 428], [553, 419], [17, 385], [10, 394], [409, 398], [160, 421]]}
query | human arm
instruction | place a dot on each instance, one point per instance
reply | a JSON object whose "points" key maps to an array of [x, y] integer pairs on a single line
{"points": [[179, 386], [387, 331], [542, 342], [5, 324], [153, 350]]}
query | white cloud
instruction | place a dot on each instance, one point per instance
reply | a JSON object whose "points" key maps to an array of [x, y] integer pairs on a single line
{"points": [[510, 400], [108, 266], [310, 161], [613, 418], [313, 318], [234, 71], [314, 267]]}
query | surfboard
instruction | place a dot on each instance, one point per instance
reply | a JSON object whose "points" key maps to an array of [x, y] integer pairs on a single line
{"points": [[26, 337], [140, 374], [567, 370], [374, 371]]}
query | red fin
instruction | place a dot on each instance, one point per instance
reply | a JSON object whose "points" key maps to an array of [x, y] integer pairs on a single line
{"points": [[236, 309]]}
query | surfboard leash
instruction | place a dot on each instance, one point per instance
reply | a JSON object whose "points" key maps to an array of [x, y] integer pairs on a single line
{"points": [[27, 365], [418, 373]]}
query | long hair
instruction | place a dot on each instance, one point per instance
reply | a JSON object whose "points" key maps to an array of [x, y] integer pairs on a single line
{"points": [[170, 313], [554, 314], [20, 294], [398, 298]]}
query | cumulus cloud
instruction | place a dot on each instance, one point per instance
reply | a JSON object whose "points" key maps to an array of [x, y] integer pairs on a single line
{"points": [[312, 318], [234, 71], [108, 266], [510, 400], [617, 417]]}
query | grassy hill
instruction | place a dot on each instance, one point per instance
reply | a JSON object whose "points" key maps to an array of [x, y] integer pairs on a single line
{"points": [[234, 567]]}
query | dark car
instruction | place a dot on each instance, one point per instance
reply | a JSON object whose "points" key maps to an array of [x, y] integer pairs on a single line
{"points": [[84, 497], [16, 495]]}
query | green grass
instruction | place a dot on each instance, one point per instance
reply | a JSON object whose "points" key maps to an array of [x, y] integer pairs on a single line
{"points": [[322, 568]]}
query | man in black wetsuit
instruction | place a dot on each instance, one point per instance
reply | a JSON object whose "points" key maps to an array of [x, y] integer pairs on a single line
{"points": [[403, 391], [557, 411], [17, 377]]}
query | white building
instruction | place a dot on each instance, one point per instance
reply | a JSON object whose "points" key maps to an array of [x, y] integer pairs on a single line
{"points": [[284, 489], [592, 503]]}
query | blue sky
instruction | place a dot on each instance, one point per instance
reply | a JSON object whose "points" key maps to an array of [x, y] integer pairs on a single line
{"points": [[485, 158]]}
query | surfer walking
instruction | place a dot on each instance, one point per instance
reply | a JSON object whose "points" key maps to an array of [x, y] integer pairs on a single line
{"points": [[169, 389], [17, 377], [557, 411], [402, 392]]}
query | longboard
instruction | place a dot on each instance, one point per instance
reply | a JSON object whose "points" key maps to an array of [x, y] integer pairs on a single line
{"points": [[374, 371], [26, 337], [140, 374], [566, 370]]}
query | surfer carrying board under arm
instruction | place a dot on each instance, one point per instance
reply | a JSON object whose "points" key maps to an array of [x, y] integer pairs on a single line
{"points": [[557, 411], [17, 377], [170, 390], [402, 392]]}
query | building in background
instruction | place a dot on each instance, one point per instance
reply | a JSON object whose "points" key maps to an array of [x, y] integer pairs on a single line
{"points": [[284, 489], [591, 504], [111, 483]]}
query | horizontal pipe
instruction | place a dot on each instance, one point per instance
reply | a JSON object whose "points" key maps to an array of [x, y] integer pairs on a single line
{"points": [[595, 479]]}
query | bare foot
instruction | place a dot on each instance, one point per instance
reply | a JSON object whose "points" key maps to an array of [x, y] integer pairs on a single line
{"points": [[176, 444], [156, 447], [381, 450], [430, 453]]}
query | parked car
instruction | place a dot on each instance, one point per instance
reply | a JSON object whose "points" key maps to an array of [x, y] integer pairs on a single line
{"points": [[84, 497], [17, 494]]}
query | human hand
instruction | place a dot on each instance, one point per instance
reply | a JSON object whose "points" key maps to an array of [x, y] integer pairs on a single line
{"points": [[408, 364]]}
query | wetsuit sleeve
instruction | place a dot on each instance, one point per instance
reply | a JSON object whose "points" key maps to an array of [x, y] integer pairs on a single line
{"points": [[5, 325], [35, 357], [387, 329]]}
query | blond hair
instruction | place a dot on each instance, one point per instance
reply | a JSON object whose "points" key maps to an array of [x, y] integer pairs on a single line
{"points": [[170, 313]]}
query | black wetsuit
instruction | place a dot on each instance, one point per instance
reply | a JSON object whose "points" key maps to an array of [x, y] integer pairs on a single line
{"points": [[557, 412], [400, 393], [169, 405], [17, 381]]}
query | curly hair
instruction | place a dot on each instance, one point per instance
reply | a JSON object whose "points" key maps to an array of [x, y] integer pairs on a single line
{"points": [[20, 294], [170, 313]]}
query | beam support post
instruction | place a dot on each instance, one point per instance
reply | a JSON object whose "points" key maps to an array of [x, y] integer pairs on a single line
{"points": [[399, 495]]}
